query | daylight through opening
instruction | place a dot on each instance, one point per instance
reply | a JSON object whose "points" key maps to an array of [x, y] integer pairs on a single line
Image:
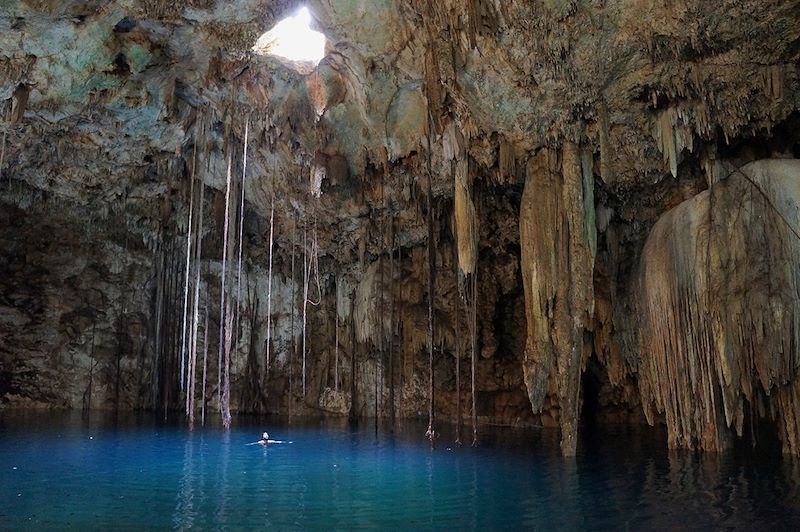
{"points": [[293, 39]]}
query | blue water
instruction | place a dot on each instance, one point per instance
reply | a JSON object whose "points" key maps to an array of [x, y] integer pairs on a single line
{"points": [[66, 471]]}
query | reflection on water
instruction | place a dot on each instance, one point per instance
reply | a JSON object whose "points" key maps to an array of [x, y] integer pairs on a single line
{"points": [[184, 515], [67, 472]]}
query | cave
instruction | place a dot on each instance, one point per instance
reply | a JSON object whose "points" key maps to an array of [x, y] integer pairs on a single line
{"points": [[420, 262]]}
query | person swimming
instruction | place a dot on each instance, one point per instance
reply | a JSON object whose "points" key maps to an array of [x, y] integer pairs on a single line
{"points": [[264, 439]]}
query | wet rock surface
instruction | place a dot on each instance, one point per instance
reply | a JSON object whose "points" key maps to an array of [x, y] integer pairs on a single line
{"points": [[555, 135]]}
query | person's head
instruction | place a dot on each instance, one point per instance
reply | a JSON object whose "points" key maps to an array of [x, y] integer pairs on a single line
{"points": [[265, 436]]}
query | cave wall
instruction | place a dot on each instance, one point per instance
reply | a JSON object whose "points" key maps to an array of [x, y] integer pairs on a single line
{"points": [[555, 138]]}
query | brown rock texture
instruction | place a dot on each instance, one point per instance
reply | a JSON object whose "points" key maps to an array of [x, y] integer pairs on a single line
{"points": [[557, 264], [559, 138], [718, 291]]}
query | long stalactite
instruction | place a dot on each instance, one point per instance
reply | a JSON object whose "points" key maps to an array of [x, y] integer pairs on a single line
{"points": [[559, 298]]}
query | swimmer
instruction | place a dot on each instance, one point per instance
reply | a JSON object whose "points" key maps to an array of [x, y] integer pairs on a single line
{"points": [[264, 441]]}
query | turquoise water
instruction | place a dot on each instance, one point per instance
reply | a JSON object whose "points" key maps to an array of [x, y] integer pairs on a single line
{"points": [[63, 471]]}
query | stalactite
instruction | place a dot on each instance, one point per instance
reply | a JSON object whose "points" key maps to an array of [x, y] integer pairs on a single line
{"points": [[668, 146], [672, 138], [465, 217], [269, 286], [716, 287], [222, 283], [506, 162], [589, 213], [559, 296], [773, 80], [465, 255]]}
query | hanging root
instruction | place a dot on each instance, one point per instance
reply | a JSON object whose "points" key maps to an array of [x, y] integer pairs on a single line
{"points": [[222, 284], [336, 344], [293, 350], [473, 334], [457, 340], [225, 322], [188, 264], [306, 266], [190, 404], [269, 285], [205, 366], [431, 432], [241, 234], [391, 325]]}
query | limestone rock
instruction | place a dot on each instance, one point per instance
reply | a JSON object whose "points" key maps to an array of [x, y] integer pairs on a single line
{"points": [[569, 127], [718, 290], [557, 266]]}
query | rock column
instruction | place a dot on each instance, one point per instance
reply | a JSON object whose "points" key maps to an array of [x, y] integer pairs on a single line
{"points": [[557, 264]]}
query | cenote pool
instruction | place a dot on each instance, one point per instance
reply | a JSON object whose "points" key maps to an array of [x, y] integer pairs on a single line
{"points": [[100, 472]]}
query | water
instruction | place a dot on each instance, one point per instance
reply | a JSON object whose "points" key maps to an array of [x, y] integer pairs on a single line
{"points": [[64, 471]]}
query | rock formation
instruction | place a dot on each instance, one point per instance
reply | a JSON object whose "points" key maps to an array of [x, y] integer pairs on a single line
{"points": [[718, 291], [591, 205], [557, 263]]}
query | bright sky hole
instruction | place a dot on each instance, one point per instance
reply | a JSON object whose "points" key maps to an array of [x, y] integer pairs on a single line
{"points": [[293, 39]]}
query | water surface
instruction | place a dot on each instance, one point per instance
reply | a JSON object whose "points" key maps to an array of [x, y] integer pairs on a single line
{"points": [[60, 470]]}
